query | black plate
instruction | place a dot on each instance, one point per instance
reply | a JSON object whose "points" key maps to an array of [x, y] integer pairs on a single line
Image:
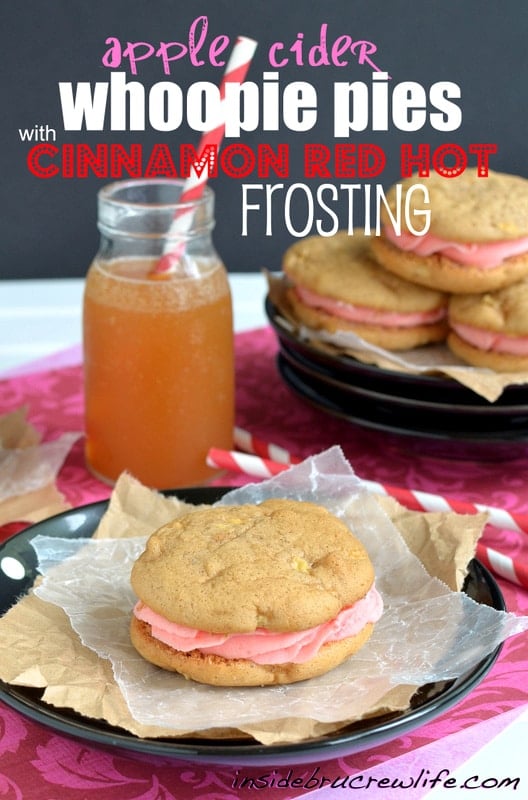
{"points": [[428, 402], [400, 415], [443, 416], [428, 703]]}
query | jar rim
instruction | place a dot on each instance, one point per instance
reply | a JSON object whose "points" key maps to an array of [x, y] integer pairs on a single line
{"points": [[106, 193]]}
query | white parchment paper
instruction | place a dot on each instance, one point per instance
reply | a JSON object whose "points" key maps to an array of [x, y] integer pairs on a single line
{"points": [[427, 632], [31, 468]]}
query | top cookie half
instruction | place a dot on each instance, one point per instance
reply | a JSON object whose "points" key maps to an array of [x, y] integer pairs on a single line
{"points": [[341, 267], [467, 208]]}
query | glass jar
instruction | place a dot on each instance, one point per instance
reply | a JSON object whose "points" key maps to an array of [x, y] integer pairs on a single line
{"points": [[158, 346]]}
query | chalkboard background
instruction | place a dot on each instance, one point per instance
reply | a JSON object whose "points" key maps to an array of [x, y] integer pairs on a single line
{"points": [[48, 227]]}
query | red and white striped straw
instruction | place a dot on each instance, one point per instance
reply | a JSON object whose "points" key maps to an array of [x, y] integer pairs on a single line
{"points": [[235, 72], [425, 501], [508, 568], [244, 463], [410, 498], [245, 440], [260, 466]]}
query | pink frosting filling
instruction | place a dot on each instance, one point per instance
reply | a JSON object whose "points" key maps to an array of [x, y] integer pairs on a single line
{"points": [[490, 340], [368, 316], [263, 646], [485, 256]]}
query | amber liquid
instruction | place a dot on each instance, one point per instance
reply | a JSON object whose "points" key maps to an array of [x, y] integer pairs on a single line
{"points": [[159, 372]]}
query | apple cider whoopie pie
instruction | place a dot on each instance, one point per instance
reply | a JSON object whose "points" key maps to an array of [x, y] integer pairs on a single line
{"points": [[336, 285], [491, 330], [477, 240], [253, 595]]}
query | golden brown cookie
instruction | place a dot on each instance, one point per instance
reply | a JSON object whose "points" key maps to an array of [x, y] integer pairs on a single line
{"points": [[279, 567], [477, 240], [338, 286], [491, 330]]}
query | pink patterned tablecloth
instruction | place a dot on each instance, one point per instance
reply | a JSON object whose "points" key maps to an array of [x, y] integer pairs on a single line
{"points": [[38, 763]]}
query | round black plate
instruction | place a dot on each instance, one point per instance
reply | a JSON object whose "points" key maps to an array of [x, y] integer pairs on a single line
{"points": [[428, 703], [400, 415], [472, 407], [430, 408]]}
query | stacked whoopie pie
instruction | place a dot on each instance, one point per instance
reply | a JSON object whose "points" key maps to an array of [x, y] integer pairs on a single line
{"points": [[465, 281]]}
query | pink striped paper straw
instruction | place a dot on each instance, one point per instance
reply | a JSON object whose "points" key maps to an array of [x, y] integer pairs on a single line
{"points": [[235, 72], [244, 463], [499, 563], [411, 498], [425, 501], [502, 565], [246, 441]]}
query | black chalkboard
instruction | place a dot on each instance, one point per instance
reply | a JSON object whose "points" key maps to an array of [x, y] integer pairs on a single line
{"points": [[472, 52]]}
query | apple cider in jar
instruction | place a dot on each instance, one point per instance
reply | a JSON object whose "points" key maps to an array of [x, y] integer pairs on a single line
{"points": [[158, 346]]}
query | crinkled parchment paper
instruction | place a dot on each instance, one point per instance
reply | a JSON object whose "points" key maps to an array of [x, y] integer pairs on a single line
{"points": [[428, 632], [434, 359], [28, 469]]}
